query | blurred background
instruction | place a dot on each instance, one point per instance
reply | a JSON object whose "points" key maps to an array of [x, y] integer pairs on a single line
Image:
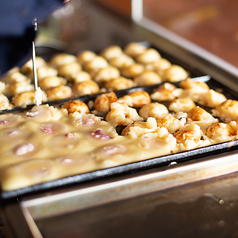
{"points": [[211, 24]]}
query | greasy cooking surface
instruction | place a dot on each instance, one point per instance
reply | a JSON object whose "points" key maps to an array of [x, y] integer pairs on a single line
{"points": [[103, 134], [48, 143]]}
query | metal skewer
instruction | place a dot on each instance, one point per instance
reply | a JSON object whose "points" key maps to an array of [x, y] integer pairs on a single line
{"points": [[34, 57]]}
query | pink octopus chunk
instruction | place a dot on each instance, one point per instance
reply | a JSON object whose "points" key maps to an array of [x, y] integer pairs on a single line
{"points": [[24, 149], [70, 135], [98, 134], [4, 122], [88, 121]]}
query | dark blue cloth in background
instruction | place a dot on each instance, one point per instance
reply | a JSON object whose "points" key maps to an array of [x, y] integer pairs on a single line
{"points": [[17, 31]]}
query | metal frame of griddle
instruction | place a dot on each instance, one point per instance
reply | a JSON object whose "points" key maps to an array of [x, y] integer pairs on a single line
{"points": [[66, 200]]}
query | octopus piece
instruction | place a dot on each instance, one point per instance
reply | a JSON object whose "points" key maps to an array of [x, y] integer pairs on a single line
{"points": [[81, 119], [44, 113], [85, 57], [15, 134], [111, 52], [174, 73], [106, 74], [171, 123], [102, 103], [211, 98], [4, 102], [166, 92], [220, 132], [62, 59], [155, 109], [148, 56], [53, 128], [147, 78], [86, 88], [69, 70], [133, 49], [59, 92], [98, 134], [81, 77], [138, 129], [26, 98], [51, 82], [181, 105], [119, 84], [98, 62], [133, 70], [25, 150], [121, 114], [158, 66], [28, 66], [136, 99], [121, 61], [227, 111], [76, 106]]}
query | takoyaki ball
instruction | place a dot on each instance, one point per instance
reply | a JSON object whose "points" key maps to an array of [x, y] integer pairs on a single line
{"points": [[85, 88], [69, 70], [139, 129], [181, 105], [184, 137], [211, 98], [106, 74], [81, 77], [2, 87], [196, 86], [14, 77], [51, 81], [174, 73], [121, 61], [45, 71], [220, 132], [147, 78], [18, 87], [166, 92], [136, 99], [133, 49], [28, 66], [158, 66], [4, 102], [156, 110], [62, 59], [119, 84], [102, 103], [171, 123], [148, 56], [59, 92], [133, 70], [98, 62], [200, 114], [227, 110], [76, 106], [26, 98], [85, 57], [121, 114], [111, 52]]}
